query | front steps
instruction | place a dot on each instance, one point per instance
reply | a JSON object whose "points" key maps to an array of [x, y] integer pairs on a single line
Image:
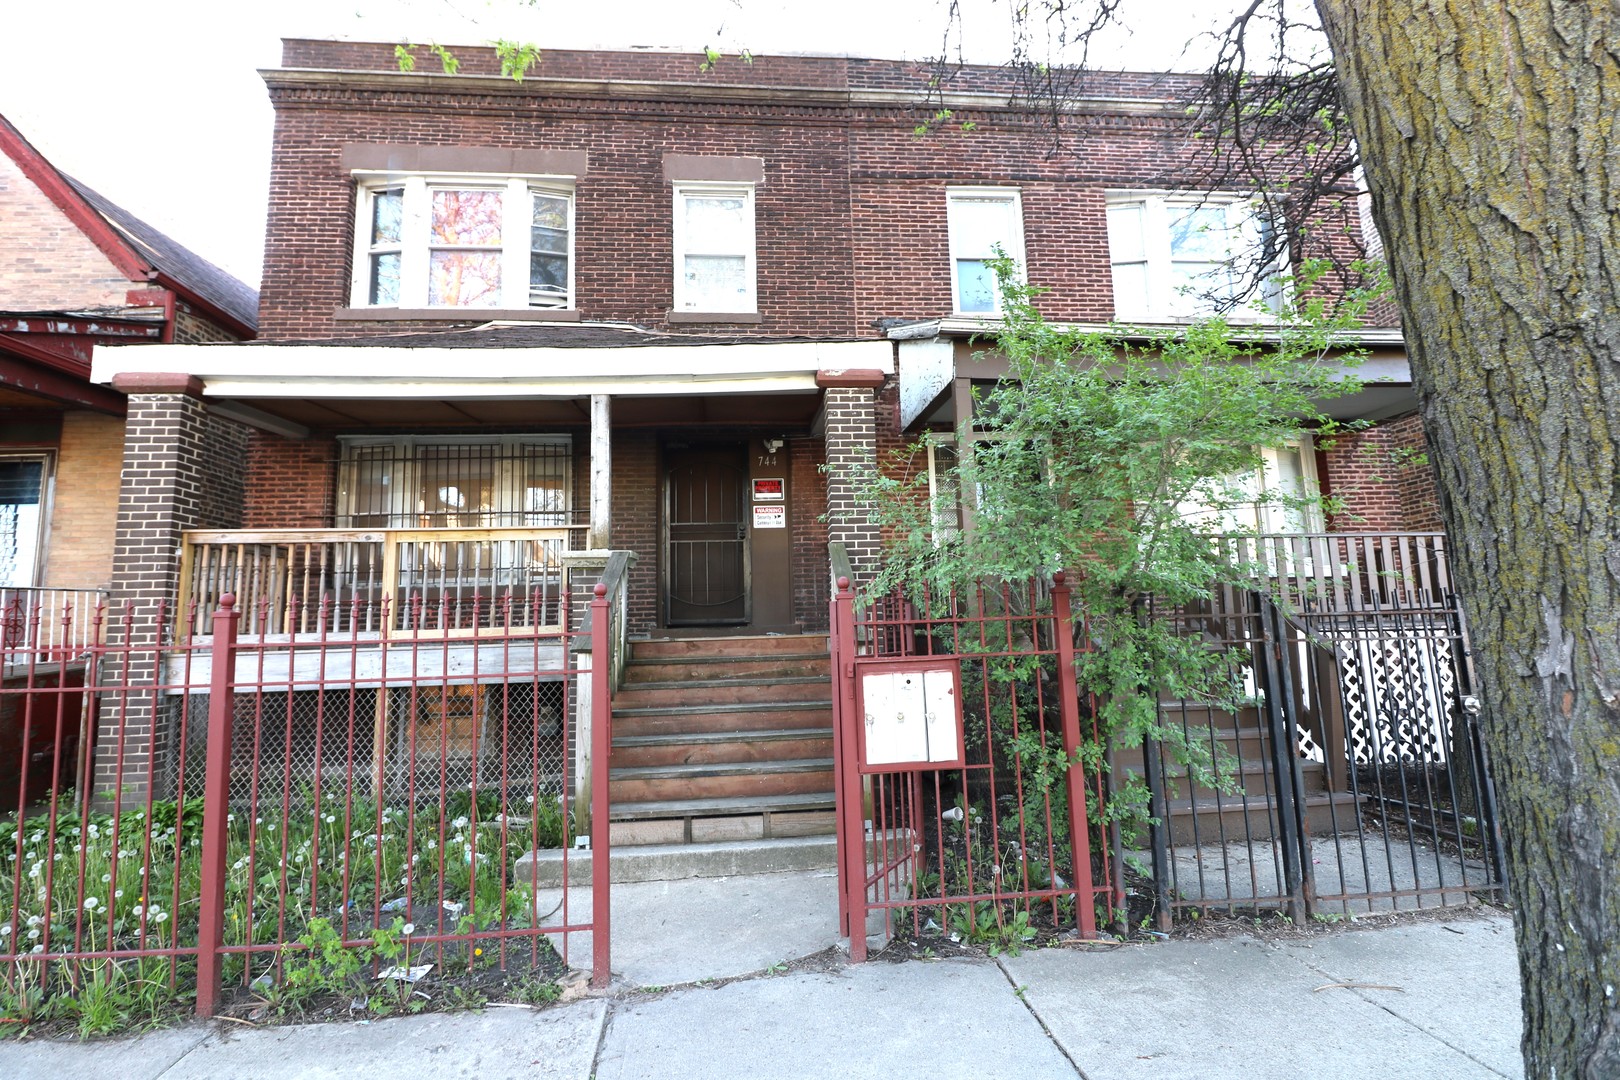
{"points": [[721, 740], [1198, 815]]}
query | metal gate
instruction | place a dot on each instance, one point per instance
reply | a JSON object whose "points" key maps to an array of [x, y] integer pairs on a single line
{"points": [[996, 842], [1355, 777]]}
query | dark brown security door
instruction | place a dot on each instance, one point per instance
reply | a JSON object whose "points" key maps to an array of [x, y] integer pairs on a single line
{"points": [[706, 537]]}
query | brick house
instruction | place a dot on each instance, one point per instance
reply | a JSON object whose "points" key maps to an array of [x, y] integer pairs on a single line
{"points": [[77, 272], [625, 305]]}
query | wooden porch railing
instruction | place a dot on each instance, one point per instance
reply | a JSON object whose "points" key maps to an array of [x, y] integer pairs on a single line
{"points": [[1347, 571], [382, 582]]}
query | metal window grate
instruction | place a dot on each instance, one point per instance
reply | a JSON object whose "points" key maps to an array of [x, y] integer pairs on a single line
{"points": [[419, 484]]}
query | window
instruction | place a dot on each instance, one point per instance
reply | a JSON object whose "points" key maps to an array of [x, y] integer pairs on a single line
{"points": [[982, 221], [1181, 256], [23, 490], [944, 488], [1278, 497], [465, 242], [714, 248], [459, 483]]}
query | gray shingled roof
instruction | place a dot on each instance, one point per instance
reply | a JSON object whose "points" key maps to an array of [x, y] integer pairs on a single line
{"points": [[187, 268]]}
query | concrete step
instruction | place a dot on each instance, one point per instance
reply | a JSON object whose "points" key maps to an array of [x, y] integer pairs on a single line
{"points": [[711, 747], [670, 719], [675, 821], [724, 780], [786, 665], [716, 692], [670, 862], [769, 644]]}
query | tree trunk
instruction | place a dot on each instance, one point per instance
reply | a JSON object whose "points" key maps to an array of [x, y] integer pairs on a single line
{"points": [[1487, 129]]}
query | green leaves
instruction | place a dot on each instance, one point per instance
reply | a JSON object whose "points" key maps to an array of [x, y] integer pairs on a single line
{"points": [[1114, 456]]}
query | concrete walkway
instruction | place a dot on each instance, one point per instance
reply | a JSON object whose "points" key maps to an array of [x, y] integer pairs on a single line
{"points": [[1437, 1000]]}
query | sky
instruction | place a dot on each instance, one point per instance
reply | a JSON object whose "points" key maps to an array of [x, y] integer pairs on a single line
{"points": [[160, 107]]}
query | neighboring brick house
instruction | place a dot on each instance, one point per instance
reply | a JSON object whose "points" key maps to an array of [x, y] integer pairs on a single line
{"points": [[76, 273]]}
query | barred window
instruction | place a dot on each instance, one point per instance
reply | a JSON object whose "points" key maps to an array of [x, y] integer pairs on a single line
{"points": [[432, 483]]}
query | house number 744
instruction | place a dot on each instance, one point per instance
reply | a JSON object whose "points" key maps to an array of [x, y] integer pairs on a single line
{"points": [[767, 459]]}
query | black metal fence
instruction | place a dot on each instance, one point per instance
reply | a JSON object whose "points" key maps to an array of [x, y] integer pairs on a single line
{"points": [[1351, 778]]}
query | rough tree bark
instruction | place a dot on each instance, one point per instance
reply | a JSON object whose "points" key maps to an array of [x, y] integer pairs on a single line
{"points": [[1488, 132]]}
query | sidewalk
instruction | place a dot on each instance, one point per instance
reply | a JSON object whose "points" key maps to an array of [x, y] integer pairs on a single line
{"points": [[1437, 1000]]}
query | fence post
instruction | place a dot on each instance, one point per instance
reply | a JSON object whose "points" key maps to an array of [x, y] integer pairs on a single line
{"points": [[216, 806], [601, 747], [848, 802], [835, 649], [1074, 778], [1273, 682]]}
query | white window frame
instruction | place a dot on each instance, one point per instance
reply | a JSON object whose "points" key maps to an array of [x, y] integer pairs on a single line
{"points": [[1265, 518], [1158, 257], [517, 216], [1012, 246], [685, 245], [42, 526], [404, 480]]}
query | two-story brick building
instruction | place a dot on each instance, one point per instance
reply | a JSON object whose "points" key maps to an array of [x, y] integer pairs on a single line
{"points": [[625, 304]]}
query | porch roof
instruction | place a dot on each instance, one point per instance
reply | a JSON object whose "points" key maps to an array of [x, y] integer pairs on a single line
{"points": [[481, 375]]}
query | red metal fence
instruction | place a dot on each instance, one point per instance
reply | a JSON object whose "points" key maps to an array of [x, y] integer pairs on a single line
{"points": [[196, 810], [990, 838]]}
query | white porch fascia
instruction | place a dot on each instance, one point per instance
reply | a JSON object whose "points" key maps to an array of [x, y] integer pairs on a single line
{"points": [[371, 371]]}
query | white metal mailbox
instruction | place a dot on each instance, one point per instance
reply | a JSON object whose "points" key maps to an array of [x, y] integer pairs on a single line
{"points": [[911, 714]]}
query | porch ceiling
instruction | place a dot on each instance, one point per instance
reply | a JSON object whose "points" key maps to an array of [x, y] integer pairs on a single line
{"points": [[790, 408]]}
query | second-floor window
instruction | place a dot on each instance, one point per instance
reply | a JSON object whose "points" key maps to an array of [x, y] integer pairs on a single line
{"points": [[1181, 256], [983, 221], [714, 248], [475, 243]]}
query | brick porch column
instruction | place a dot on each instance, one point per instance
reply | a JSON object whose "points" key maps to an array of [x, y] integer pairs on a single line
{"points": [[184, 468], [851, 452]]}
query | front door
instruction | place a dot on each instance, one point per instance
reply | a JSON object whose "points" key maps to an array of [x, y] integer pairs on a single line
{"points": [[706, 536]]}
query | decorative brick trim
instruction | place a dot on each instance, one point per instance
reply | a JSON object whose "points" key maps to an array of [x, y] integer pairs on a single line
{"points": [[866, 378], [158, 382]]}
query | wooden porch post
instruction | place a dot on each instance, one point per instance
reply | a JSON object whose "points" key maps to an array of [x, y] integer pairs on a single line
{"points": [[600, 535]]}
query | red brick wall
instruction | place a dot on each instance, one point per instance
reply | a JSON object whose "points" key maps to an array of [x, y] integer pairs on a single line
{"points": [[810, 570], [624, 266], [1379, 480], [290, 483], [635, 520], [851, 215]]}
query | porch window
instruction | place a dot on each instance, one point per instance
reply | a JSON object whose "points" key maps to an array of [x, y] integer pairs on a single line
{"points": [[479, 242], [429, 483], [23, 481], [1279, 496]]}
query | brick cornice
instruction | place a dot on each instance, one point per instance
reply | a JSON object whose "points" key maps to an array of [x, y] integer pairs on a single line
{"points": [[158, 382], [856, 378], [440, 85]]}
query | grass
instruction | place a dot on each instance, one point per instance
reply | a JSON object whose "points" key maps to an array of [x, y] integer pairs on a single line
{"points": [[118, 884]]}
